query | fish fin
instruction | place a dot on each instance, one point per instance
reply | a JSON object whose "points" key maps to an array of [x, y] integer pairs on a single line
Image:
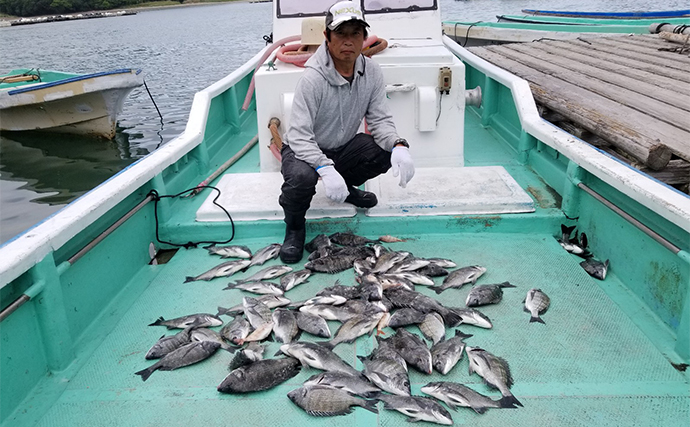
{"points": [[509, 402], [146, 373], [370, 405], [327, 344], [451, 318], [189, 279], [536, 319], [479, 410], [459, 333], [278, 353], [157, 322], [507, 285], [232, 285], [438, 289], [470, 370], [583, 241]]}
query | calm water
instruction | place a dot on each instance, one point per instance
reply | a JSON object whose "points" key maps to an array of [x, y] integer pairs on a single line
{"points": [[181, 51]]}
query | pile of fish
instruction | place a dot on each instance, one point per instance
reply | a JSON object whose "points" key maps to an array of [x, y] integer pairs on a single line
{"points": [[383, 295], [578, 246]]}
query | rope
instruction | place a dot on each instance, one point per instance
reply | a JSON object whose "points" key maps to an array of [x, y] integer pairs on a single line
{"points": [[156, 197]]}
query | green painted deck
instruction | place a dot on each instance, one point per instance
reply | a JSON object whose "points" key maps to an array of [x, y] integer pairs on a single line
{"points": [[588, 365]]}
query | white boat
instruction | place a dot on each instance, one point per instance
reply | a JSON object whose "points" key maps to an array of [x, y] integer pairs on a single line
{"points": [[84, 104]]}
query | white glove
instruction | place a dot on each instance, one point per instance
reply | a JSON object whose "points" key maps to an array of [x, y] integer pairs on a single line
{"points": [[336, 188], [402, 164]]}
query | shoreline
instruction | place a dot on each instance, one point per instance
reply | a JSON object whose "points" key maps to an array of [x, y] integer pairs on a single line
{"points": [[6, 20]]}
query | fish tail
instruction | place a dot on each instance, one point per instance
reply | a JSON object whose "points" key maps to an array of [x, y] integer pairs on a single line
{"points": [[222, 311], [459, 333], [158, 321], [438, 290], [232, 285], [481, 410], [536, 319], [189, 279], [451, 318], [507, 285], [371, 394], [212, 245], [146, 373], [370, 405], [509, 401]]}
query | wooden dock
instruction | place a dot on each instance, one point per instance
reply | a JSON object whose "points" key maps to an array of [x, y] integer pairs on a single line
{"points": [[628, 94]]}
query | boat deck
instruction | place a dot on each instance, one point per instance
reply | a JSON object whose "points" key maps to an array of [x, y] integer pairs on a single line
{"points": [[588, 365], [592, 363], [623, 91]]}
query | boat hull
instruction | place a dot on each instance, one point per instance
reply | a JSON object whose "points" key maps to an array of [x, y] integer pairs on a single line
{"points": [[83, 106]]}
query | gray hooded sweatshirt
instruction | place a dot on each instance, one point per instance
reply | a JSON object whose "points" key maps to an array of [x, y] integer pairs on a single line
{"points": [[327, 109]]}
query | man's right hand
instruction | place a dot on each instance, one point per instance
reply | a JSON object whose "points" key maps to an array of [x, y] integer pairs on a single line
{"points": [[336, 188]]}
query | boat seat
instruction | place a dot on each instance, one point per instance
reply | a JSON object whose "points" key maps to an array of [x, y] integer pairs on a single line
{"points": [[254, 196], [450, 191], [433, 191]]}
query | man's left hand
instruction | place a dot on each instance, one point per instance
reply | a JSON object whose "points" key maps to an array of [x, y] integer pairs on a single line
{"points": [[402, 164]]}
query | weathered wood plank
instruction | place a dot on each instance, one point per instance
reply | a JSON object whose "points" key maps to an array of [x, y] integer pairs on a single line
{"points": [[665, 59], [660, 110], [676, 172], [621, 125], [602, 62], [632, 62], [669, 97]]}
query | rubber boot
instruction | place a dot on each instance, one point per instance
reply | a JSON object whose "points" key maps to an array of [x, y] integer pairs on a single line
{"points": [[293, 246], [361, 198]]}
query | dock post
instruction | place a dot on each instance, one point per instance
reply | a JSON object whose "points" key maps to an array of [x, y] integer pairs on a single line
{"points": [[489, 100], [571, 192], [51, 315]]}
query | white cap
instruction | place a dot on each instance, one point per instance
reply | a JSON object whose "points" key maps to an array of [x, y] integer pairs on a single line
{"points": [[342, 12]]}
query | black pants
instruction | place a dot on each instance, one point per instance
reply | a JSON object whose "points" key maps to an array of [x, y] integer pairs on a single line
{"points": [[357, 161]]}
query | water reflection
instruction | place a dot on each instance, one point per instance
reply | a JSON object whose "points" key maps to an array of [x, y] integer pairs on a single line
{"points": [[62, 167]]}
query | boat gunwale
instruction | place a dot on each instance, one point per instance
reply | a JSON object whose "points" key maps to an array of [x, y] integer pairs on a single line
{"points": [[46, 85], [27, 249]]}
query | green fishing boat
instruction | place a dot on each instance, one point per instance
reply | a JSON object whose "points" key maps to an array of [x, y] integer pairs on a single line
{"points": [[494, 183]]}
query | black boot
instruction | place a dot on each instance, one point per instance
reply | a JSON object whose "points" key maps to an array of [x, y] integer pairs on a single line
{"points": [[293, 246], [360, 198]]}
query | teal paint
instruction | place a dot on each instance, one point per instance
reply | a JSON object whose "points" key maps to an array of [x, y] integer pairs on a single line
{"points": [[232, 109], [526, 144], [51, 316], [571, 191], [489, 100]]}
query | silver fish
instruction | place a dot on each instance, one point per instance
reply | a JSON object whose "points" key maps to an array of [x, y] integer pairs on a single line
{"points": [[486, 294], [409, 264], [433, 328], [257, 313], [166, 344], [260, 375], [393, 280], [271, 301], [447, 353], [372, 289], [321, 299], [442, 262], [267, 273], [349, 292], [433, 270], [494, 370], [205, 334], [327, 311], [471, 316], [414, 277], [234, 251], [201, 320], [321, 401], [331, 264], [387, 374], [387, 260], [460, 277], [317, 356], [536, 303], [386, 350], [225, 269], [362, 266], [312, 324], [237, 330], [402, 298], [454, 395], [405, 317], [294, 278], [265, 254], [260, 333], [285, 325], [418, 408], [253, 352], [259, 287], [186, 355], [596, 269], [413, 349], [354, 384], [355, 328]]}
